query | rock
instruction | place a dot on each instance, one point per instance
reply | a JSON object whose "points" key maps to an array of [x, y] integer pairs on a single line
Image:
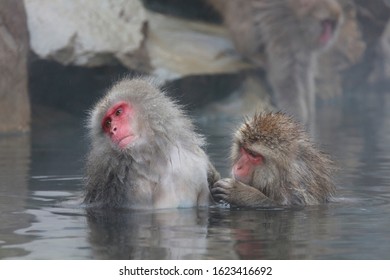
{"points": [[14, 101], [87, 33], [97, 33], [178, 47]]}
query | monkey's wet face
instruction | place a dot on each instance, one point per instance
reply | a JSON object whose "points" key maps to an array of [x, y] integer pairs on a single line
{"points": [[117, 124], [246, 164]]}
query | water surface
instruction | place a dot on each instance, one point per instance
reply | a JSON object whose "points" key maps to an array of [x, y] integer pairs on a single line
{"points": [[40, 186]]}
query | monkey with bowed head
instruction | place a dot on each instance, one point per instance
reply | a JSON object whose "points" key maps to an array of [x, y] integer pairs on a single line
{"points": [[145, 152], [275, 164]]}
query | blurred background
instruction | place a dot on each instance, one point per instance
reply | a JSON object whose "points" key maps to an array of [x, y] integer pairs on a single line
{"points": [[64, 54]]}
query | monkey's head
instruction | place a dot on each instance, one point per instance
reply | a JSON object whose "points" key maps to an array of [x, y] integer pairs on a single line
{"points": [[319, 21], [133, 114], [264, 150]]}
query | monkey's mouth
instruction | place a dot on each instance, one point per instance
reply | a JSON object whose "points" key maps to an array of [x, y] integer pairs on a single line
{"points": [[245, 180], [125, 141], [328, 26]]}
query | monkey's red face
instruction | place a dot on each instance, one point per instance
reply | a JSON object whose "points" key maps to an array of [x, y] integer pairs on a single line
{"points": [[117, 122], [247, 162]]}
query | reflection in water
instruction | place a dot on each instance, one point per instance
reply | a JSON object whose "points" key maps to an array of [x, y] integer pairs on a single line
{"points": [[270, 234], [56, 233], [203, 234], [14, 172], [163, 234], [41, 218]]}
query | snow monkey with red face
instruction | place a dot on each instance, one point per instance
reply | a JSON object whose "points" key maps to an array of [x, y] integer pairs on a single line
{"points": [[275, 164], [145, 152]]}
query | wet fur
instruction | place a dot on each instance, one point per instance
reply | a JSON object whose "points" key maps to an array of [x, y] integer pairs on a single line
{"points": [[294, 172], [164, 168]]}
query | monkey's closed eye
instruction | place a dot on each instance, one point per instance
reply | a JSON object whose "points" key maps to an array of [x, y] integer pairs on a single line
{"points": [[252, 153]]}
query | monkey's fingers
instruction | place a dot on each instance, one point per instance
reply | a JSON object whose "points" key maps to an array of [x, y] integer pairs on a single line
{"points": [[221, 190], [220, 197]]}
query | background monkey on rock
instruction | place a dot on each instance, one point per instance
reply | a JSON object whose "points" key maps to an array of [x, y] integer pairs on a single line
{"points": [[291, 34], [275, 164], [144, 152]]}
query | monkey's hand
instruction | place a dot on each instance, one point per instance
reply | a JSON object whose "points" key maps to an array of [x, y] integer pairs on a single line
{"points": [[239, 194]]}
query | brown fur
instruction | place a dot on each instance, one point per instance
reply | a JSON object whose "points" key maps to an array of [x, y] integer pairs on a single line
{"points": [[294, 171]]}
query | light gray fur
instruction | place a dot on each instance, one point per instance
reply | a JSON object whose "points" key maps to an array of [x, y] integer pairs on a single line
{"points": [[167, 148]]}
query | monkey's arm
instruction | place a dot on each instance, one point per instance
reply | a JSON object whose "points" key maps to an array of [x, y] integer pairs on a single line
{"points": [[212, 175], [239, 194]]}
